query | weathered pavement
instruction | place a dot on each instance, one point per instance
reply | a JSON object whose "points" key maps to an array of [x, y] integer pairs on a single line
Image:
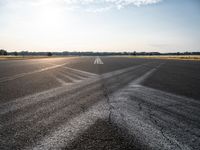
{"points": [[97, 109]]}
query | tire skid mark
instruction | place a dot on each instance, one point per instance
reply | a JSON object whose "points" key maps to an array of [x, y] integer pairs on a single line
{"points": [[52, 141], [52, 106], [153, 116], [144, 112], [52, 120], [35, 98], [71, 129], [54, 114], [88, 89]]}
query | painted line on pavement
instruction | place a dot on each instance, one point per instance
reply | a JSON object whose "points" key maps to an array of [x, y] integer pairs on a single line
{"points": [[35, 98], [65, 134], [29, 73], [98, 61]]}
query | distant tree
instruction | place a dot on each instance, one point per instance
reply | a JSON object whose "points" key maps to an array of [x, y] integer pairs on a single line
{"points": [[15, 53], [125, 53], [65, 53], [3, 52], [23, 53], [49, 54], [187, 53]]}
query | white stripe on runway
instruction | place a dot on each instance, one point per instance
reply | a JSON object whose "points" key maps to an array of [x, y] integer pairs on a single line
{"points": [[71, 78], [61, 81], [66, 133], [152, 117], [98, 61], [155, 114], [35, 98], [81, 71], [73, 128], [29, 73], [76, 76]]}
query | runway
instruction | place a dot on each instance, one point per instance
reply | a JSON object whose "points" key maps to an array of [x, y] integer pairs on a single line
{"points": [[99, 103]]}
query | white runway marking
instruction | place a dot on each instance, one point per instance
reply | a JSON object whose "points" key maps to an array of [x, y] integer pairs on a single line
{"points": [[154, 113], [149, 115], [69, 131], [19, 103], [81, 71], [135, 102], [98, 61], [73, 128], [29, 73], [145, 76], [61, 81], [73, 75], [76, 76], [70, 77], [45, 69]]}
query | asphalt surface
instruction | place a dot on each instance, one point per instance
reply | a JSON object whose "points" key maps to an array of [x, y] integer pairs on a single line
{"points": [[108, 103]]}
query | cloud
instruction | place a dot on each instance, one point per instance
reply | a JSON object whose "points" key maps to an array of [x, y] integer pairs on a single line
{"points": [[98, 10], [123, 3], [88, 5], [119, 4]]}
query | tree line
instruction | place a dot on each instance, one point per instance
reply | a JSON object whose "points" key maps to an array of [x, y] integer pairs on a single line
{"points": [[67, 53]]}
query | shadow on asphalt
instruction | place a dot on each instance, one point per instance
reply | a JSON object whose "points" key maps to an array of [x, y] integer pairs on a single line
{"points": [[101, 135]]}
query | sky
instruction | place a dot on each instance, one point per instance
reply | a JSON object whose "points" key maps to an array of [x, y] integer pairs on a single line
{"points": [[100, 25]]}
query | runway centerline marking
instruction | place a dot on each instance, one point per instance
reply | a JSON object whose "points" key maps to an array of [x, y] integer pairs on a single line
{"points": [[98, 61]]}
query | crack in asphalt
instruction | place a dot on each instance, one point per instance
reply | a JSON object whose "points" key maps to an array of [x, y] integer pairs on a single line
{"points": [[106, 95], [153, 118], [50, 111], [148, 111], [161, 129], [155, 122], [102, 88], [150, 114], [140, 106]]}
